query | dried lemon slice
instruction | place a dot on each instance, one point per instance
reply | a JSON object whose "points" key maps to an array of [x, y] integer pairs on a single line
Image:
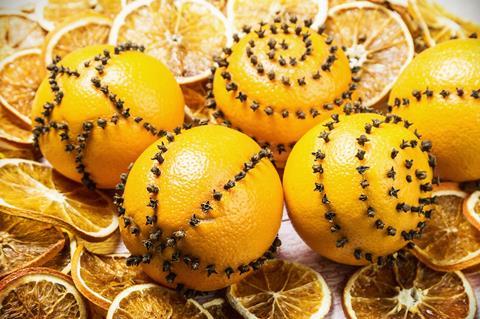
{"points": [[18, 31], [54, 199], [79, 32], [101, 277], [471, 209], [281, 289], [449, 242], [26, 243], [408, 289], [249, 13], [153, 301], [184, 34], [20, 77], [377, 43], [40, 293], [13, 129]]}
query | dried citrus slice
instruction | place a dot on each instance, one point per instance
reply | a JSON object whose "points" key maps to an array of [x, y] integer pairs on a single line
{"points": [[40, 293], [408, 289], [13, 129], [242, 13], [20, 76], [18, 31], [54, 199], [26, 243], [195, 106], [153, 301], [9, 150], [281, 289], [75, 33], [63, 261], [110, 8], [113, 244], [377, 43], [449, 242], [184, 34], [471, 209], [437, 24], [101, 277], [219, 308], [50, 13]]}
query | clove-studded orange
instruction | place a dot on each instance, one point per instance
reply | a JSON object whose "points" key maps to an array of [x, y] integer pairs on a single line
{"points": [[358, 187], [440, 93], [201, 208], [100, 107], [278, 80]]}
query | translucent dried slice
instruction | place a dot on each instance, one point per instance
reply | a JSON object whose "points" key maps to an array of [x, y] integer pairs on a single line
{"points": [[378, 45], [26, 243], [63, 260], [449, 241], [11, 150], [40, 293], [408, 289], [13, 129], [54, 199], [281, 289], [49, 13], [184, 34], [101, 277]]}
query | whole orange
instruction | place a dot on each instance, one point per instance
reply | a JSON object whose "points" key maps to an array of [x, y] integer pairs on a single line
{"points": [[278, 81], [201, 209], [440, 93], [358, 187], [99, 109]]}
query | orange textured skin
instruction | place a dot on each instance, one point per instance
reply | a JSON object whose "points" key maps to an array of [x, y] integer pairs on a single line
{"points": [[239, 228], [147, 88], [451, 123], [341, 182], [276, 129]]}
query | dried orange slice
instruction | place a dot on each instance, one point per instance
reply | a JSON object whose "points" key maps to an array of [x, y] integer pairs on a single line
{"points": [[101, 277], [20, 76], [110, 8], [13, 129], [377, 42], [242, 13], [281, 289], [153, 301], [9, 150], [439, 25], [54, 199], [18, 31], [219, 308], [183, 34], [63, 261], [113, 244], [26, 243], [75, 33], [471, 209], [408, 289], [49, 13], [449, 241], [40, 293], [195, 107]]}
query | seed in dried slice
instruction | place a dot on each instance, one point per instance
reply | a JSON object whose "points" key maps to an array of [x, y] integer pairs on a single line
{"points": [[183, 34], [408, 289], [281, 289], [377, 43], [20, 77], [101, 277], [242, 13], [449, 241], [14, 130], [49, 13], [18, 31], [40, 292], [54, 199], [63, 260], [26, 243], [153, 301], [75, 33], [471, 209]]}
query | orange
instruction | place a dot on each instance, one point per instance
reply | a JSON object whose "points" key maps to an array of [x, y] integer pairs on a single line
{"points": [[440, 93], [100, 107], [358, 187], [278, 81], [219, 205]]}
